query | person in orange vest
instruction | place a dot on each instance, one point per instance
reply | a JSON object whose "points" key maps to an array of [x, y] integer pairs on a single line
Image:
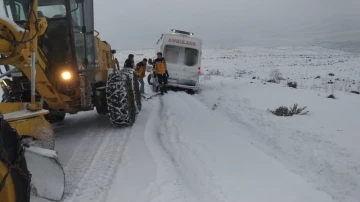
{"points": [[160, 72], [140, 69]]}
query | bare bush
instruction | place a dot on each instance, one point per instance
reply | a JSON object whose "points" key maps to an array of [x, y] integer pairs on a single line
{"points": [[215, 72], [347, 85], [276, 76], [240, 72], [207, 77], [212, 72], [285, 111], [272, 81], [292, 84]]}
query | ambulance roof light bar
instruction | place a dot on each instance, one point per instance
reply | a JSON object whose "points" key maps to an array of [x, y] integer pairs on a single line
{"points": [[181, 32]]}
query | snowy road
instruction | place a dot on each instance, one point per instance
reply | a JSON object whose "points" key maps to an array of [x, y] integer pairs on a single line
{"points": [[174, 152], [180, 149]]}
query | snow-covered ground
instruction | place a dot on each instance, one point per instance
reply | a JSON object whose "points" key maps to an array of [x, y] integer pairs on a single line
{"points": [[222, 144], [322, 146]]}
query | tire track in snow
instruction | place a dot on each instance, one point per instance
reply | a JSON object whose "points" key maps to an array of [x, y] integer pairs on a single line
{"points": [[137, 170], [94, 159], [177, 150], [168, 186], [84, 153], [97, 180], [204, 180]]}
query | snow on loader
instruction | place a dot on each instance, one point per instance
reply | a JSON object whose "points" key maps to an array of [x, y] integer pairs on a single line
{"points": [[55, 65]]}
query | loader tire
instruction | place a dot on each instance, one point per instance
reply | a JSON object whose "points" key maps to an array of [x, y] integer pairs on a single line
{"points": [[101, 103], [53, 116], [100, 98], [19, 176], [120, 98], [137, 94]]}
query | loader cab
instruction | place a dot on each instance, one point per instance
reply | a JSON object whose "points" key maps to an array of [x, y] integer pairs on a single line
{"points": [[68, 42]]}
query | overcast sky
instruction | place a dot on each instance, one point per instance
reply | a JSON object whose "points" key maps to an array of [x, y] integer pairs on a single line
{"points": [[139, 23]]}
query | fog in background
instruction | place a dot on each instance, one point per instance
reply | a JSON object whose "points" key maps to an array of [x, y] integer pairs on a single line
{"points": [[134, 24]]}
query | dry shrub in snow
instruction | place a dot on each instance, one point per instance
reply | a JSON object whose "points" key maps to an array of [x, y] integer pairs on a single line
{"points": [[331, 86], [215, 72], [275, 76], [212, 72], [285, 111], [207, 77], [292, 84], [272, 81], [241, 72]]}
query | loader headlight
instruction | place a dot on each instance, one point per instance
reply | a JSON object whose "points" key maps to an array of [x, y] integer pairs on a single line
{"points": [[4, 83], [66, 75]]}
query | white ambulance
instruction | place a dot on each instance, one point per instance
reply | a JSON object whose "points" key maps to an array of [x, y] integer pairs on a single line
{"points": [[182, 53]]}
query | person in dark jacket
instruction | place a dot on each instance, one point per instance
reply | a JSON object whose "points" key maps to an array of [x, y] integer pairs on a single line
{"points": [[160, 72], [129, 63]]}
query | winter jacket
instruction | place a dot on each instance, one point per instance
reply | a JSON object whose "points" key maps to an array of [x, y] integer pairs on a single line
{"points": [[129, 63], [140, 68], [160, 66]]}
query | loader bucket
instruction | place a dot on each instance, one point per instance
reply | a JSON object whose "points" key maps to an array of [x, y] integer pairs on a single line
{"points": [[48, 177]]}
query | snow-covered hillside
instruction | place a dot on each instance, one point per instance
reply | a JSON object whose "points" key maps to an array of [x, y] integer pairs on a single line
{"points": [[223, 144]]}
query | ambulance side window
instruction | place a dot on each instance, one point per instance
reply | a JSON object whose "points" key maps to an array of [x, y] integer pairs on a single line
{"points": [[172, 54], [191, 56]]}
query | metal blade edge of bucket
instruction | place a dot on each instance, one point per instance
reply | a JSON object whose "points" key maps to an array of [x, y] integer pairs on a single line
{"points": [[48, 176]]}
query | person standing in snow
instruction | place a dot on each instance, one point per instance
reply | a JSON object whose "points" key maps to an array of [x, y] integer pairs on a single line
{"points": [[140, 69], [129, 63], [160, 72]]}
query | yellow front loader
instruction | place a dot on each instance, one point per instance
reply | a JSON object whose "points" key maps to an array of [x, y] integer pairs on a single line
{"points": [[55, 64]]}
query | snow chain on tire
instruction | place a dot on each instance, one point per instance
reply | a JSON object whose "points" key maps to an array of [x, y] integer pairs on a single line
{"points": [[137, 94], [135, 86], [120, 98], [12, 155]]}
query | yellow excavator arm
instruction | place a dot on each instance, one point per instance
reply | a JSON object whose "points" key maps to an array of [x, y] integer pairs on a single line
{"points": [[70, 70], [19, 48]]}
